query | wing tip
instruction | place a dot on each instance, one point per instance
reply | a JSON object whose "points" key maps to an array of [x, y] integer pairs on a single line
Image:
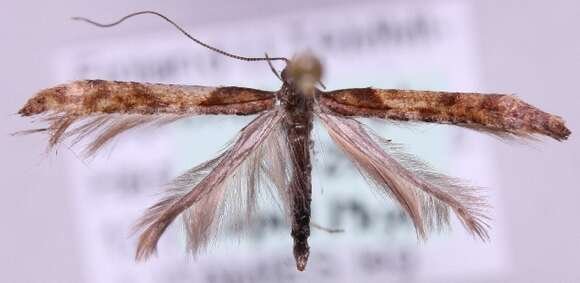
{"points": [[147, 244], [559, 131], [33, 106], [44, 101]]}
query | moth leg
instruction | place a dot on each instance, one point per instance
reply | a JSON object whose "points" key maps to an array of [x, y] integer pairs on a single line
{"points": [[325, 229]]}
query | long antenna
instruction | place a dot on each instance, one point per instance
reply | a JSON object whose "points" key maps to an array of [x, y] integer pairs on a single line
{"points": [[182, 31]]}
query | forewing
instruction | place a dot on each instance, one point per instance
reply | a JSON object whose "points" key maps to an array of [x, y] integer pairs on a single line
{"points": [[222, 194], [109, 108], [425, 195], [501, 115]]}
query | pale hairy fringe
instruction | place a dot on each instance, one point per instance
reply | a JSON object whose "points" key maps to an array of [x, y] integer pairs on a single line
{"points": [[425, 195], [104, 127], [220, 190], [276, 169], [501, 135]]}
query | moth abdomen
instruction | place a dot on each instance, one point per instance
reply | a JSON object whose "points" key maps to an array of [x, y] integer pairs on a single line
{"points": [[298, 126]]}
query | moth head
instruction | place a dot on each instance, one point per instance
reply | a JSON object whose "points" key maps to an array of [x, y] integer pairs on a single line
{"points": [[304, 71]]}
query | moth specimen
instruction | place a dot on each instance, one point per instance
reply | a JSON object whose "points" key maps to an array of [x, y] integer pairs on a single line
{"points": [[274, 150]]}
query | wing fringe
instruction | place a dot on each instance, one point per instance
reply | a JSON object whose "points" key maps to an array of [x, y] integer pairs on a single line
{"points": [[222, 189], [425, 195], [104, 127]]}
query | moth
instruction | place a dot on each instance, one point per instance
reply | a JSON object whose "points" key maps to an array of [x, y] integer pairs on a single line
{"points": [[274, 150]]}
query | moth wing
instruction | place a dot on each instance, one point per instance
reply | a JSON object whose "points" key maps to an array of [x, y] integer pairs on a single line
{"points": [[426, 196], [501, 115], [108, 108], [222, 194]]}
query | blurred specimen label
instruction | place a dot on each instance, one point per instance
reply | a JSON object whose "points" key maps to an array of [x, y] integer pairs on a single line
{"points": [[386, 46]]}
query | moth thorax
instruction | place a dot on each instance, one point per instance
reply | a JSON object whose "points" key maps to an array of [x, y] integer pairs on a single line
{"points": [[304, 71]]}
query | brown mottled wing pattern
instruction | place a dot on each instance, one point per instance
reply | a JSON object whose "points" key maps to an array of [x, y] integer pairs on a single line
{"points": [[503, 115], [109, 108]]}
